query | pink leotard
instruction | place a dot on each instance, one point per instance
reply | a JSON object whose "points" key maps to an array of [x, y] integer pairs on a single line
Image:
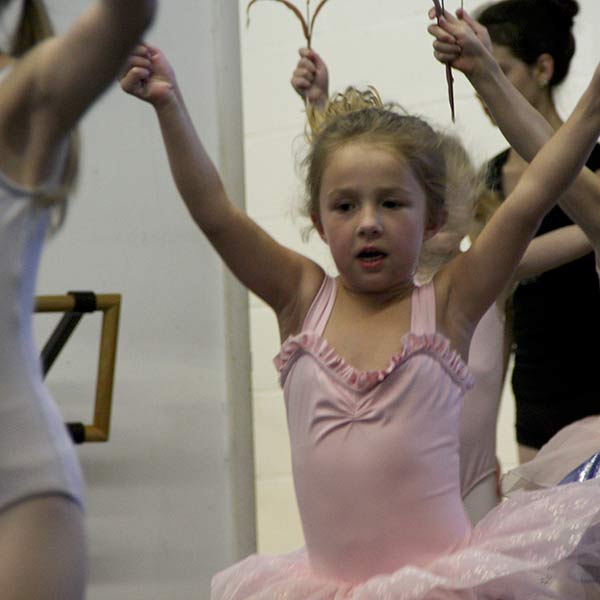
{"points": [[375, 454], [479, 414], [375, 462]]}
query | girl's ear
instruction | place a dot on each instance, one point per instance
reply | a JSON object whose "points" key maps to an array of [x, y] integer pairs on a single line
{"points": [[435, 223], [316, 221], [544, 69]]}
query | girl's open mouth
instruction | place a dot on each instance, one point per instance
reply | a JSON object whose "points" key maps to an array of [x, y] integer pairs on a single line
{"points": [[371, 258]]}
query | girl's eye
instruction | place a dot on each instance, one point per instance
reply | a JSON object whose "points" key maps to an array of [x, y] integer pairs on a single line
{"points": [[391, 203], [343, 206]]}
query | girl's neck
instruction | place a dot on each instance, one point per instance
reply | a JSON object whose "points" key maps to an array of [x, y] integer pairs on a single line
{"points": [[377, 300]]}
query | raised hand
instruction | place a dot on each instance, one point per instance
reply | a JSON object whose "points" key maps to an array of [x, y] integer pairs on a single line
{"points": [[310, 78], [461, 42], [148, 75]]}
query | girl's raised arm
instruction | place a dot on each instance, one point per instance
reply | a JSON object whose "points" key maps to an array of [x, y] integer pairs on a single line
{"points": [[465, 44], [477, 277], [284, 279], [50, 87], [72, 70], [552, 250]]}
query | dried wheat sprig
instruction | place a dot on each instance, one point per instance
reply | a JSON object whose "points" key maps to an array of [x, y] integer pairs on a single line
{"points": [[439, 12], [307, 23]]}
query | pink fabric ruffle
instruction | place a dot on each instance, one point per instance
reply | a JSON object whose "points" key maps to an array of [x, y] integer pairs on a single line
{"points": [[434, 345]]}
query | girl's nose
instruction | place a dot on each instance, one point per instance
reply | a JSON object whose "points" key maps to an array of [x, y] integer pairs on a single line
{"points": [[370, 224]]}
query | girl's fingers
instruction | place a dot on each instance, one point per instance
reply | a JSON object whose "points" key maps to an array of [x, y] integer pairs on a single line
{"points": [[133, 62], [140, 50], [305, 53], [307, 64], [440, 34], [447, 16], [133, 78], [462, 14], [300, 75], [307, 73], [138, 61], [150, 48], [301, 83], [449, 49], [444, 57]]}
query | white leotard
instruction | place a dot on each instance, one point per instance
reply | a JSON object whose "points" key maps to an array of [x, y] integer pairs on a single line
{"points": [[37, 456]]}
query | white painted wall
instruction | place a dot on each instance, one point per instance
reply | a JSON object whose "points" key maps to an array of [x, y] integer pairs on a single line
{"points": [[380, 42], [170, 496]]}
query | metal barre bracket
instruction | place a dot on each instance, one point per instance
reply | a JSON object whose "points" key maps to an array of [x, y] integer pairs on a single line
{"points": [[75, 305]]}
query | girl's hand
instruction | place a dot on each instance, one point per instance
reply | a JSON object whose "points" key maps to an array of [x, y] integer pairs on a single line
{"points": [[461, 42], [148, 76], [310, 78]]}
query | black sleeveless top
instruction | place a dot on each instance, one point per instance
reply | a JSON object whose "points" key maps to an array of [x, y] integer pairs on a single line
{"points": [[556, 332]]}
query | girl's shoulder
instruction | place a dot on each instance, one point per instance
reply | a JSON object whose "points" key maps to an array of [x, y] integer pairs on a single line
{"points": [[292, 317], [451, 320], [20, 78]]}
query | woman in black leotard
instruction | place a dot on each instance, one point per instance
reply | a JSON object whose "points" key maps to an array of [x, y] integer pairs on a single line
{"points": [[554, 378]]}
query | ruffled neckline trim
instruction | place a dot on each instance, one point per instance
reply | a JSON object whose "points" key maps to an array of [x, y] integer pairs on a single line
{"points": [[435, 345]]}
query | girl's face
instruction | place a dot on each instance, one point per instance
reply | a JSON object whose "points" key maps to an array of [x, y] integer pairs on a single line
{"points": [[373, 216]]}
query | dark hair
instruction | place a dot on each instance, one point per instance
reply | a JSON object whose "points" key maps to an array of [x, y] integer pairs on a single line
{"points": [[530, 28]]}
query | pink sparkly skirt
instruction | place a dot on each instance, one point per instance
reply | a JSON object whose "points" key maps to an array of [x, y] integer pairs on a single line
{"points": [[568, 455], [536, 545]]}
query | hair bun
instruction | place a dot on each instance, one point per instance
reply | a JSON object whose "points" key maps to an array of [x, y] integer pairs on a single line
{"points": [[568, 8], [342, 103]]}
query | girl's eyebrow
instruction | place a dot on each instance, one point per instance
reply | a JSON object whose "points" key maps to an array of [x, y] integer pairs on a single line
{"points": [[379, 191], [395, 189], [341, 191]]}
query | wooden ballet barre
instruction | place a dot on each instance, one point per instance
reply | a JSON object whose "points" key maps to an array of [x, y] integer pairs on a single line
{"points": [[75, 305]]}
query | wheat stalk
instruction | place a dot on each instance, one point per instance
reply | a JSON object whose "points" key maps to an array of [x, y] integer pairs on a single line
{"points": [[307, 23], [439, 11]]}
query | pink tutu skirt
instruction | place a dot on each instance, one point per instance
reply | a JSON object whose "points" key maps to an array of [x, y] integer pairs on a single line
{"points": [[570, 455], [536, 545]]}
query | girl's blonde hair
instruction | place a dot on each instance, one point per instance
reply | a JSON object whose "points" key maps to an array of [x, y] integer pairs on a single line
{"points": [[34, 27], [439, 161]]}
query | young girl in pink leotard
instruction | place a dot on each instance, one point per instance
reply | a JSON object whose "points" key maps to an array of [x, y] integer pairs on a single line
{"points": [[489, 350], [374, 367]]}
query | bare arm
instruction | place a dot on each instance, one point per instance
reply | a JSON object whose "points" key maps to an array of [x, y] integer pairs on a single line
{"points": [[552, 250], [74, 69], [474, 279], [51, 87], [270, 270], [465, 45]]}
